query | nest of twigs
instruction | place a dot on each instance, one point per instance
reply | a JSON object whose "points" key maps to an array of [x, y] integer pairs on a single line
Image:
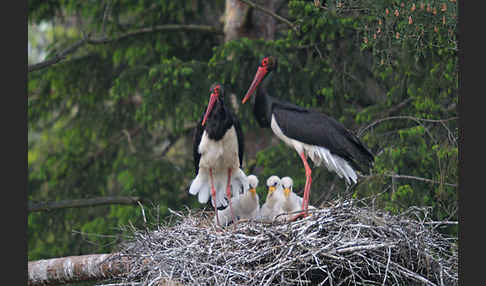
{"points": [[344, 244]]}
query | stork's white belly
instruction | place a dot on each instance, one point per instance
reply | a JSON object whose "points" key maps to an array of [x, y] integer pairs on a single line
{"points": [[222, 154]]}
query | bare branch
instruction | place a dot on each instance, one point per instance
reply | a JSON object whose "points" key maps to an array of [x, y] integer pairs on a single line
{"points": [[410, 177], [397, 107], [129, 138], [47, 206], [160, 28], [365, 247], [446, 222], [74, 269], [416, 119], [419, 179], [266, 11]]}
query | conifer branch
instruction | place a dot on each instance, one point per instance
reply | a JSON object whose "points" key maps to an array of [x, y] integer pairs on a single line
{"points": [[104, 40], [81, 203], [57, 58]]}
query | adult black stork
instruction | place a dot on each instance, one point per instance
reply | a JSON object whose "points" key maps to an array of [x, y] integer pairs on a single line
{"points": [[218, 154], [312, 134]]}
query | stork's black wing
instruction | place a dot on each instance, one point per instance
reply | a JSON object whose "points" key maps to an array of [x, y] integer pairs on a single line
{"points": [[318, 129], [198, 132], [241, 138]]}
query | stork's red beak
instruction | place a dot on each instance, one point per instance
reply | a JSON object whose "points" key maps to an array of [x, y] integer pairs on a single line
{"points": [[260, 74], [212, 100]]}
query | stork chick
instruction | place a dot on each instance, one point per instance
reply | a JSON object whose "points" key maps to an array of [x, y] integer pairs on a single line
{"points": [[273, 202], [292, 202], [248, 204]]}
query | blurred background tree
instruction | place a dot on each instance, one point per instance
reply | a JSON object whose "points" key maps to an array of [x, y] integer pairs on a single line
{"points": [[115, 89]]}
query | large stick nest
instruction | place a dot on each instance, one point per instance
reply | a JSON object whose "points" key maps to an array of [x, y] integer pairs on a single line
{"points": [[344, 244]]}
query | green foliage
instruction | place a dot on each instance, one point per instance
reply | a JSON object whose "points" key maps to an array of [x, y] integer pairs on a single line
{"points": [[117, 118]]}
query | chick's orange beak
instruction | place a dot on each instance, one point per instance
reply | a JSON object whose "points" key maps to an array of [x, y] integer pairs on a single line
{"points": [[287, 192], [271, 189]]}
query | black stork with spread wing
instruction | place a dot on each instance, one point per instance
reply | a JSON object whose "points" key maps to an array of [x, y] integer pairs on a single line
{"points": [[218, 154], [312, 134]]}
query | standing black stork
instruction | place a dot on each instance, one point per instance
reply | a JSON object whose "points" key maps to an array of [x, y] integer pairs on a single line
{"points": [[310, 133], [218, 154]]}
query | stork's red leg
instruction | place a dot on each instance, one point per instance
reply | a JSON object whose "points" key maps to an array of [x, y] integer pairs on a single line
{"points": [[228, 194], [308, 182], [213, 195]]}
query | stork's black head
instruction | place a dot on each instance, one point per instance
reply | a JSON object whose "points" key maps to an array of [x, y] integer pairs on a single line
{"points": [[217, 89], [217, 93], [267, 64]]}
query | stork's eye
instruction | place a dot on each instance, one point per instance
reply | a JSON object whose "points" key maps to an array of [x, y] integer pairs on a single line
{"points": [[216, 89], [265, 62]]}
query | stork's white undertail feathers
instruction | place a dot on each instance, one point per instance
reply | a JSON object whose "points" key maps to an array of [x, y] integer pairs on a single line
{"points": [[201, 186], [318, 155]]}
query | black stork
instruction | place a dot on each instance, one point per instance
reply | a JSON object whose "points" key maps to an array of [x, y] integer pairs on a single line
{"points": [[312, 134], [218, 154]]}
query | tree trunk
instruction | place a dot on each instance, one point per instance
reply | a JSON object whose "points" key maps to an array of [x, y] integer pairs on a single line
{"points": [[70, 269], [240, 20], [243, 21]]}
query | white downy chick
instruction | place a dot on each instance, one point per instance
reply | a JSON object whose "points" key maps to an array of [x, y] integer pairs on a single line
{"points": [[225, 215], [273, 203], [248, 204], [293, 202], [245, 205]]}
